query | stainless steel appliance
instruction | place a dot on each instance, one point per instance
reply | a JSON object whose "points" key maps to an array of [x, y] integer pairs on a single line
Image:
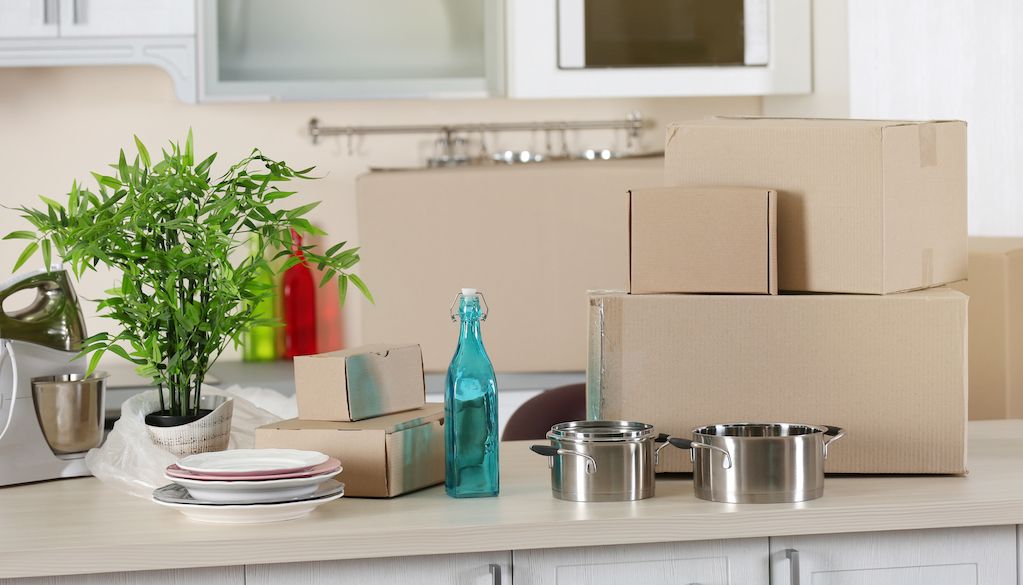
{"points": [[601, 461], [754, 463], [51, 413]]}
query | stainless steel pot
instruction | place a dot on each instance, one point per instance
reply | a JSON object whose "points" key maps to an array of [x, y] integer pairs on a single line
{"points": [[69, 408], [601, 461], [758, 463]]}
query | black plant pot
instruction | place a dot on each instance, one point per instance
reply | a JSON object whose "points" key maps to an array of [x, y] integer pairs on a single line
{"points": [[163, 418]]}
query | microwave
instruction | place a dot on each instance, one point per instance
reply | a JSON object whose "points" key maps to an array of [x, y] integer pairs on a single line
{"points": [[618, 48]]}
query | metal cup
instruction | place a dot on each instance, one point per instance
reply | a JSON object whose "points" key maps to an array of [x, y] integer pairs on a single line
{"points": [[69, 408]]}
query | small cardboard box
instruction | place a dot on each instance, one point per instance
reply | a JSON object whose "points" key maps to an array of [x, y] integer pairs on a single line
{"points": [[360, 383], [382, 457], [889, 369], [864, 206], [528, 236], [995, 288], [714, 240]]}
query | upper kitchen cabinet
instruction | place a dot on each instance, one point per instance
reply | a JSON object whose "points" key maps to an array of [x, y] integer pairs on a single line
{"points": [[325, 49], [619, 48], [58, 33], [126, 18]]}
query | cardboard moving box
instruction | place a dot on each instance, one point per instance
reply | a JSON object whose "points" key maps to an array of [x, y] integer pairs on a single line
{"points": [[382, 457], [533, 238], [720, 240], [995, 288], [890, 369], [359, 383], [864, 206]]}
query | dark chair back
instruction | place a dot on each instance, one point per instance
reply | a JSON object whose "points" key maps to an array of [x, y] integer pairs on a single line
{"points": [[537, 415]]}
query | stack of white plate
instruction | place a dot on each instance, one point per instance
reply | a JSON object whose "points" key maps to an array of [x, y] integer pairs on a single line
{"points": [[245, 486]]}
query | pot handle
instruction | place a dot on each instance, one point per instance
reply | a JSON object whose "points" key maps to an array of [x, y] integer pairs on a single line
{"points": [[548, 451], [663, 439], [834, 434], [687, 444]]}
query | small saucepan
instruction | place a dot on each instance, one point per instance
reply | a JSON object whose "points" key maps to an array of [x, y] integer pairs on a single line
{"points": [[602, 461], [759, 463]]}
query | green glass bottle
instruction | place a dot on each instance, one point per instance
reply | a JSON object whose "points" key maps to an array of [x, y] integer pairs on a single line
{"points": [[260, 342]]}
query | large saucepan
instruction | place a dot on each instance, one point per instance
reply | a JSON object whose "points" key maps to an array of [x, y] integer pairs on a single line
{"points": [[602, 461], [757, 463]]}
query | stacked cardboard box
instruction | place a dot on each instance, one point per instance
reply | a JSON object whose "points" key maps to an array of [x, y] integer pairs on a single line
{"points": [[367, 407], [865, 211]]}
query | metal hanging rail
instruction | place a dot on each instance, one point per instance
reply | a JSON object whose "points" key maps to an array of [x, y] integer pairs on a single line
{"points": [[633, 124]]}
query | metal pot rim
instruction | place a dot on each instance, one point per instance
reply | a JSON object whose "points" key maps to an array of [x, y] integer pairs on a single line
{"points": [[601, 431], [706, 431]]}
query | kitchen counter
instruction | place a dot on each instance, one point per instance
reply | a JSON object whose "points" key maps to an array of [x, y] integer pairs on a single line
{"points": [[81, 526]]}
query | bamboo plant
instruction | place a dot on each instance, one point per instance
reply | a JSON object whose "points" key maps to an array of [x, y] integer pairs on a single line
{"points": [[179, 237]]}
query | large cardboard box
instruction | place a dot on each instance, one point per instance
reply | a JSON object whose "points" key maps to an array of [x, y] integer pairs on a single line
{"points": [[717, 240], [359, 383], [533, 238], [864, 206], [995, 288], [382, 457], [890, 369]]}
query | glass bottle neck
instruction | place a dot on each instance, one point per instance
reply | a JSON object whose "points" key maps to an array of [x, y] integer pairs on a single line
{"points": [[469, 321]]}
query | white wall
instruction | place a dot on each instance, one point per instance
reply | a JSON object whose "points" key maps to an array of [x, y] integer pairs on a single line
{"points": [[58, 124]]}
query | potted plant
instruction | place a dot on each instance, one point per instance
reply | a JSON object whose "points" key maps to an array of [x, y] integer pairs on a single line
{"points": [[179, 238]]}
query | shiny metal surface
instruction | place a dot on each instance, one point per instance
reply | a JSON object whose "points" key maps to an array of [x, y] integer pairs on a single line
{"points": [[602, 461], [70, 410], [53, 319], [774, 462]]}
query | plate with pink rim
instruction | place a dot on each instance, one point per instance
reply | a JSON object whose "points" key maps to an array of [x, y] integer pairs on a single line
{"points": [[252, 461], [173, 471]]}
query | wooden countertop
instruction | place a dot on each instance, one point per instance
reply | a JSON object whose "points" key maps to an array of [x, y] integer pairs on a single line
{"points": [[82, 526]]}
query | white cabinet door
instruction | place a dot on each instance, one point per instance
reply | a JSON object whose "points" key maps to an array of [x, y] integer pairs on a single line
{"points": [[493, 568], [717, 562], [210, 576], [28, 19], [126, 18], [953, 556]]}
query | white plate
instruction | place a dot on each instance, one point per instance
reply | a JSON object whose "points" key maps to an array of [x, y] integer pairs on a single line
{"points": [[251, 514], [178, 494], [238, 461], [253, 491]]}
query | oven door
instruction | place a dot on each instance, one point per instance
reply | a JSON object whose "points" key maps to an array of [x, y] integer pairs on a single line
{"points": [[594, 34]]}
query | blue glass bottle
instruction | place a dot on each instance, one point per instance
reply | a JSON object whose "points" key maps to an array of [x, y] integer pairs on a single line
{"points": [[470, 407]]}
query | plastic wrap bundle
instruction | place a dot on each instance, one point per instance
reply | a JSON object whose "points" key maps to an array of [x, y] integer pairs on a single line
{"points": [[129, 459]]}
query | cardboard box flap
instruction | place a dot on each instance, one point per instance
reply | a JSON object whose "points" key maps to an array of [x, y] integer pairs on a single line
{"points": [[390, 423]]}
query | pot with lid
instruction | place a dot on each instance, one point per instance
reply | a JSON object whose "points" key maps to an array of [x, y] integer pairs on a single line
{"points": [[759, 463], [602, 461]]}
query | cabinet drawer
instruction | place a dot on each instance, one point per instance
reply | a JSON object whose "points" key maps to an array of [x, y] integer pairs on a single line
{"points": [[463, 569], [952, 556], [210, 576], [731, 562]]}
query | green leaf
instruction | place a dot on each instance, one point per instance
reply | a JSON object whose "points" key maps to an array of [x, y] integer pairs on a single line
{"points": [[46, 254], [302, 210], [51, 203], [20, 235], [189, 157], [107, 181], [143, 153], [122, 168], [342, 288], [361, 286], [331, 250], [26, 254], [94, 361]]}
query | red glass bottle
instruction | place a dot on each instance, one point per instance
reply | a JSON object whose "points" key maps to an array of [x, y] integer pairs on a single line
{"points": [[299, 301]]}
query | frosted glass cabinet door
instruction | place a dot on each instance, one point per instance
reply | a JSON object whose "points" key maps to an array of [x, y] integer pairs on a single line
{"points": [[953, 556], [348, 48], [28, 19], [717, 562]]}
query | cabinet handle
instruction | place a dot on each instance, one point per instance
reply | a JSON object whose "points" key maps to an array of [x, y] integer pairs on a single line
{"points": [[495, 573], [793, 556], [78, 11], [49, 12]]}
